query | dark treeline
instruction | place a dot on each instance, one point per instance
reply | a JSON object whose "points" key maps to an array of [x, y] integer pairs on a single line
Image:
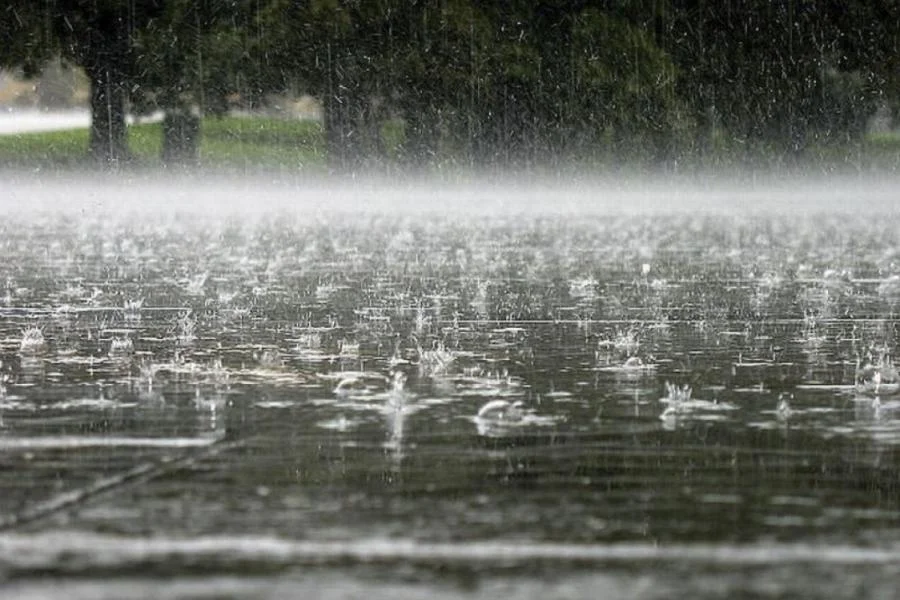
{"points": [[509, 83]]}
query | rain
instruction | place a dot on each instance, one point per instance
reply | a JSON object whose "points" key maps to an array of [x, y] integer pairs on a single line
{"points": [[452, 299]]}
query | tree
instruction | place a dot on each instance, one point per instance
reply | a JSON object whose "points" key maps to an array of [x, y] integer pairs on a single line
{"points": [[866, 54], [192, 59], [96, 35], [557, 80], [782, 76], [321, 45], [622, 87], [508, 82], [25, 37]]}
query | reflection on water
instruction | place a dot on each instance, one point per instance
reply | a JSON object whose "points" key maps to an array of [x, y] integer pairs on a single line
{"points": [[703, 386]]}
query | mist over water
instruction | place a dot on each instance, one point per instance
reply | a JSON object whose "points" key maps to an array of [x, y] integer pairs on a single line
{"points": [[643, 387], [255, 193]]}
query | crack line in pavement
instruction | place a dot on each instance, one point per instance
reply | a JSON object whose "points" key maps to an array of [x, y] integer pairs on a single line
{"points": [[139, 474]]}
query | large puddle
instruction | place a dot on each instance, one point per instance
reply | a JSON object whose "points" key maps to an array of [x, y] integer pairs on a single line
{"points": [[390, 404]]}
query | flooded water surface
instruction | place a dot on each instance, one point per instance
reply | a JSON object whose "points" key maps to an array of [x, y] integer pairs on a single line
{"points": [[386, 404]]}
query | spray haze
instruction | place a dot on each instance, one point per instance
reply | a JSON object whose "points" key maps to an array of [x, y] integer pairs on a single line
{"points": [[504, 195]]}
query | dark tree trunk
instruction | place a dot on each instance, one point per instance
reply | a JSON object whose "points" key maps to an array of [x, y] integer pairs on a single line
{"points": [[343, 131], [486, 132], [345, 107], [106, 64], [181, 136], [108, 131], [421, 135]]}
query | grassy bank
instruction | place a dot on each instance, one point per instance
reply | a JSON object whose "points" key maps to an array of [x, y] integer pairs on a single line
{"points": [[229, 142], [264, 143]]}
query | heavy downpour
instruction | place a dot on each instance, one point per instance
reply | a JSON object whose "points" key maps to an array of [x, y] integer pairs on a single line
{"points": [[396, 299]]}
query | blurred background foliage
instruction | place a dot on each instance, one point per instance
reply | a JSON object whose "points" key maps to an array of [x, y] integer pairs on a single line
{"points": [[512, 83]]}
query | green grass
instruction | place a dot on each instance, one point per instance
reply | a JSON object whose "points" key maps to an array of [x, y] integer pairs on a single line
{"points": [[60, 148], [144, 141], [227, 142], [262, 143]]}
